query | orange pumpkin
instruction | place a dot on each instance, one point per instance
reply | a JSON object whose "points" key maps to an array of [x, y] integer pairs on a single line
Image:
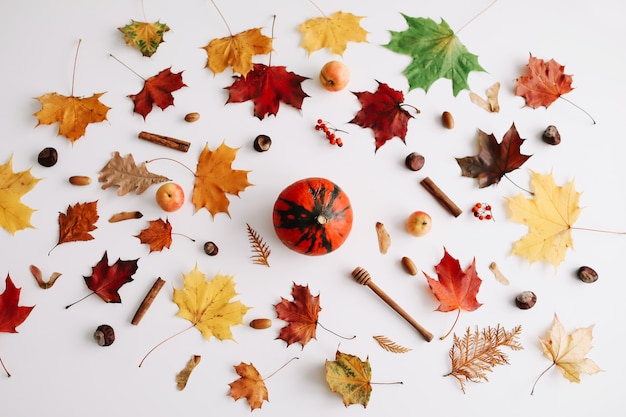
{"points": [[313, 216]]}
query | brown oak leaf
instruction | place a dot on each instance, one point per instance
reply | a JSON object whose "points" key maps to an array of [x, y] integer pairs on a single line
{"points": [[267, 86], [215, 178], [250, 386], [158, 235], [494, 160], [77, 222], [157, 91], [301, 314], [73, 114], [128, 176], [236, 51], [382, 112]]}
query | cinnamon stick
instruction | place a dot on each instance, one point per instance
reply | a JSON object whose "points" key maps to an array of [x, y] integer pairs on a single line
{"points": [[441, 197], [147, 301], [169, 142]]}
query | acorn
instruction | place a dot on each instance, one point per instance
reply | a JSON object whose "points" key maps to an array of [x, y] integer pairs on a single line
{"points": [[104, 335]]}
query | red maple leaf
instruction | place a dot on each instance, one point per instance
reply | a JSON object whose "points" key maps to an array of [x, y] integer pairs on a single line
{"points": [[301, 313], [106, 280], [158, 235], [11, 315], [494, 160], [267, 86], [545, 82], [382, 112], [456, 289], [157, 90]]}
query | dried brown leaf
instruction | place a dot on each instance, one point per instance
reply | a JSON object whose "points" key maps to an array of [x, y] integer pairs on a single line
{"points": [[124, 173], [491, 104], [478, 352], [260, 249], [493, 267], [384, 239], [389, 345], [183, 376]]}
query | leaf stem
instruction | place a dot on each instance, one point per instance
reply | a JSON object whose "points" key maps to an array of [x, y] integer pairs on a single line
{"points": [[579, 108], [458, 314], [163, 341], [540, 375], [273, 23], [515, 184], [598, 230], [222, 16], [172, 160], [5, 368], [77, 301], [318, 8], [476, 16], [74, 68], [387, 383], [127, 67], [183, 235], [143, 11], [411, 106], [285, 364], [338, 335]]}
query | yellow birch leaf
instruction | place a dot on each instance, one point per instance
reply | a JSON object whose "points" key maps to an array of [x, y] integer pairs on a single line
{"points": [[549, 215], [14, 215], [208, 306], [332, 32], [236, 51], [72, 113]]}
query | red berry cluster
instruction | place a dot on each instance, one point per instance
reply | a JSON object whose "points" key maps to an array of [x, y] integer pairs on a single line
{"points": [[329, 132], [482, 211]]}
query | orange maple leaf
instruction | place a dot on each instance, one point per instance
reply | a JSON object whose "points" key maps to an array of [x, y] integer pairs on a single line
{"points": [[545, 82], [215, 178], [301, 313], [250, 386], [77, 222], [456, 289], [236, 51], [158, 235], [72, 113]]}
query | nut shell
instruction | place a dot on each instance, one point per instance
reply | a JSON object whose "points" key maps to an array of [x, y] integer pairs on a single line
{"points": [[260, 324], [409, 265], [262, 143], [192, 117], [414, 161], [210, 248], [104, 335], [551, 135], [48, 157], [525, 300], [79, 180], [447, 120], [587, 274]]}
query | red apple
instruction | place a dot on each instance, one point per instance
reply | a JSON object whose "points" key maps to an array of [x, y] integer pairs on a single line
{"points": [[334, 76], [170, 196], [419, 223]]}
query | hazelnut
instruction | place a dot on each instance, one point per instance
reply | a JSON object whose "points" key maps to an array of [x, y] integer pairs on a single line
{"points": [[414, 161], [262, 143], [210, 248], [587, 274], [551, 135], [525, 300], [104, 335], [47, 157]]}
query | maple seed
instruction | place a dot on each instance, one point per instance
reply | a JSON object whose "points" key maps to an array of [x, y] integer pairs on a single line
{"points": [[551, 135], [262, 143], [47, 157], [414, 161], [525, 300], [587, 274], [210, 248], [104, 335]]}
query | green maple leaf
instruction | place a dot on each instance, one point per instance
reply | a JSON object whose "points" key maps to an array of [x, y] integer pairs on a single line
{"points": [[437, 53]]}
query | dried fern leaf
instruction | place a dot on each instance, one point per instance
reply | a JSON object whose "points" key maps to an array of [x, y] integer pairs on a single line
{"points": [[261, 250], [478, 352], [389, 345]]}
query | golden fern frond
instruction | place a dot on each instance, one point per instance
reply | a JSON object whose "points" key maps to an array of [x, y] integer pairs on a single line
{"points": [[478, 352], [260, 249], [390, 345]]}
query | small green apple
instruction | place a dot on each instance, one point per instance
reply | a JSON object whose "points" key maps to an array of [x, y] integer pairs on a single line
{"points": [[419, 223]]}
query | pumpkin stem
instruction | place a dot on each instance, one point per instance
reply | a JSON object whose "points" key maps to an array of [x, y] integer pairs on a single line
{"points": [[321, 219]]}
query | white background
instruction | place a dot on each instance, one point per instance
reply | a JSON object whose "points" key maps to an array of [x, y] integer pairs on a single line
{"points": [[57, 368]]}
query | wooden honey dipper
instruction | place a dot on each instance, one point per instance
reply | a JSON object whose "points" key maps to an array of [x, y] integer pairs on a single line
{"points": [[363, 277]]}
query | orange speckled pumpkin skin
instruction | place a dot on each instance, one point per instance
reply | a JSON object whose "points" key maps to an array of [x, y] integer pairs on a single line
{"points": [[313, 216]]}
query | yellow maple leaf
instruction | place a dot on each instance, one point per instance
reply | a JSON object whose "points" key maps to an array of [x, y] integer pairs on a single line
{"points": [[332, 32], [14, 215], [237, 50], [72, 113], [215, 178], [350, 376], [549, 215], [208, 306], [144, 36], [567, 351]]}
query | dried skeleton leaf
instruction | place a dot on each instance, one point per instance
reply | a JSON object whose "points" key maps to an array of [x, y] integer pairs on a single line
{"points": [[183, 376], [261, 250], [384, 239]]}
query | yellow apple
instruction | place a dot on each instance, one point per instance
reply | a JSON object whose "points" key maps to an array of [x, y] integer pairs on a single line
{"points": [[170, 196], [419, 223], [334, 76]]}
